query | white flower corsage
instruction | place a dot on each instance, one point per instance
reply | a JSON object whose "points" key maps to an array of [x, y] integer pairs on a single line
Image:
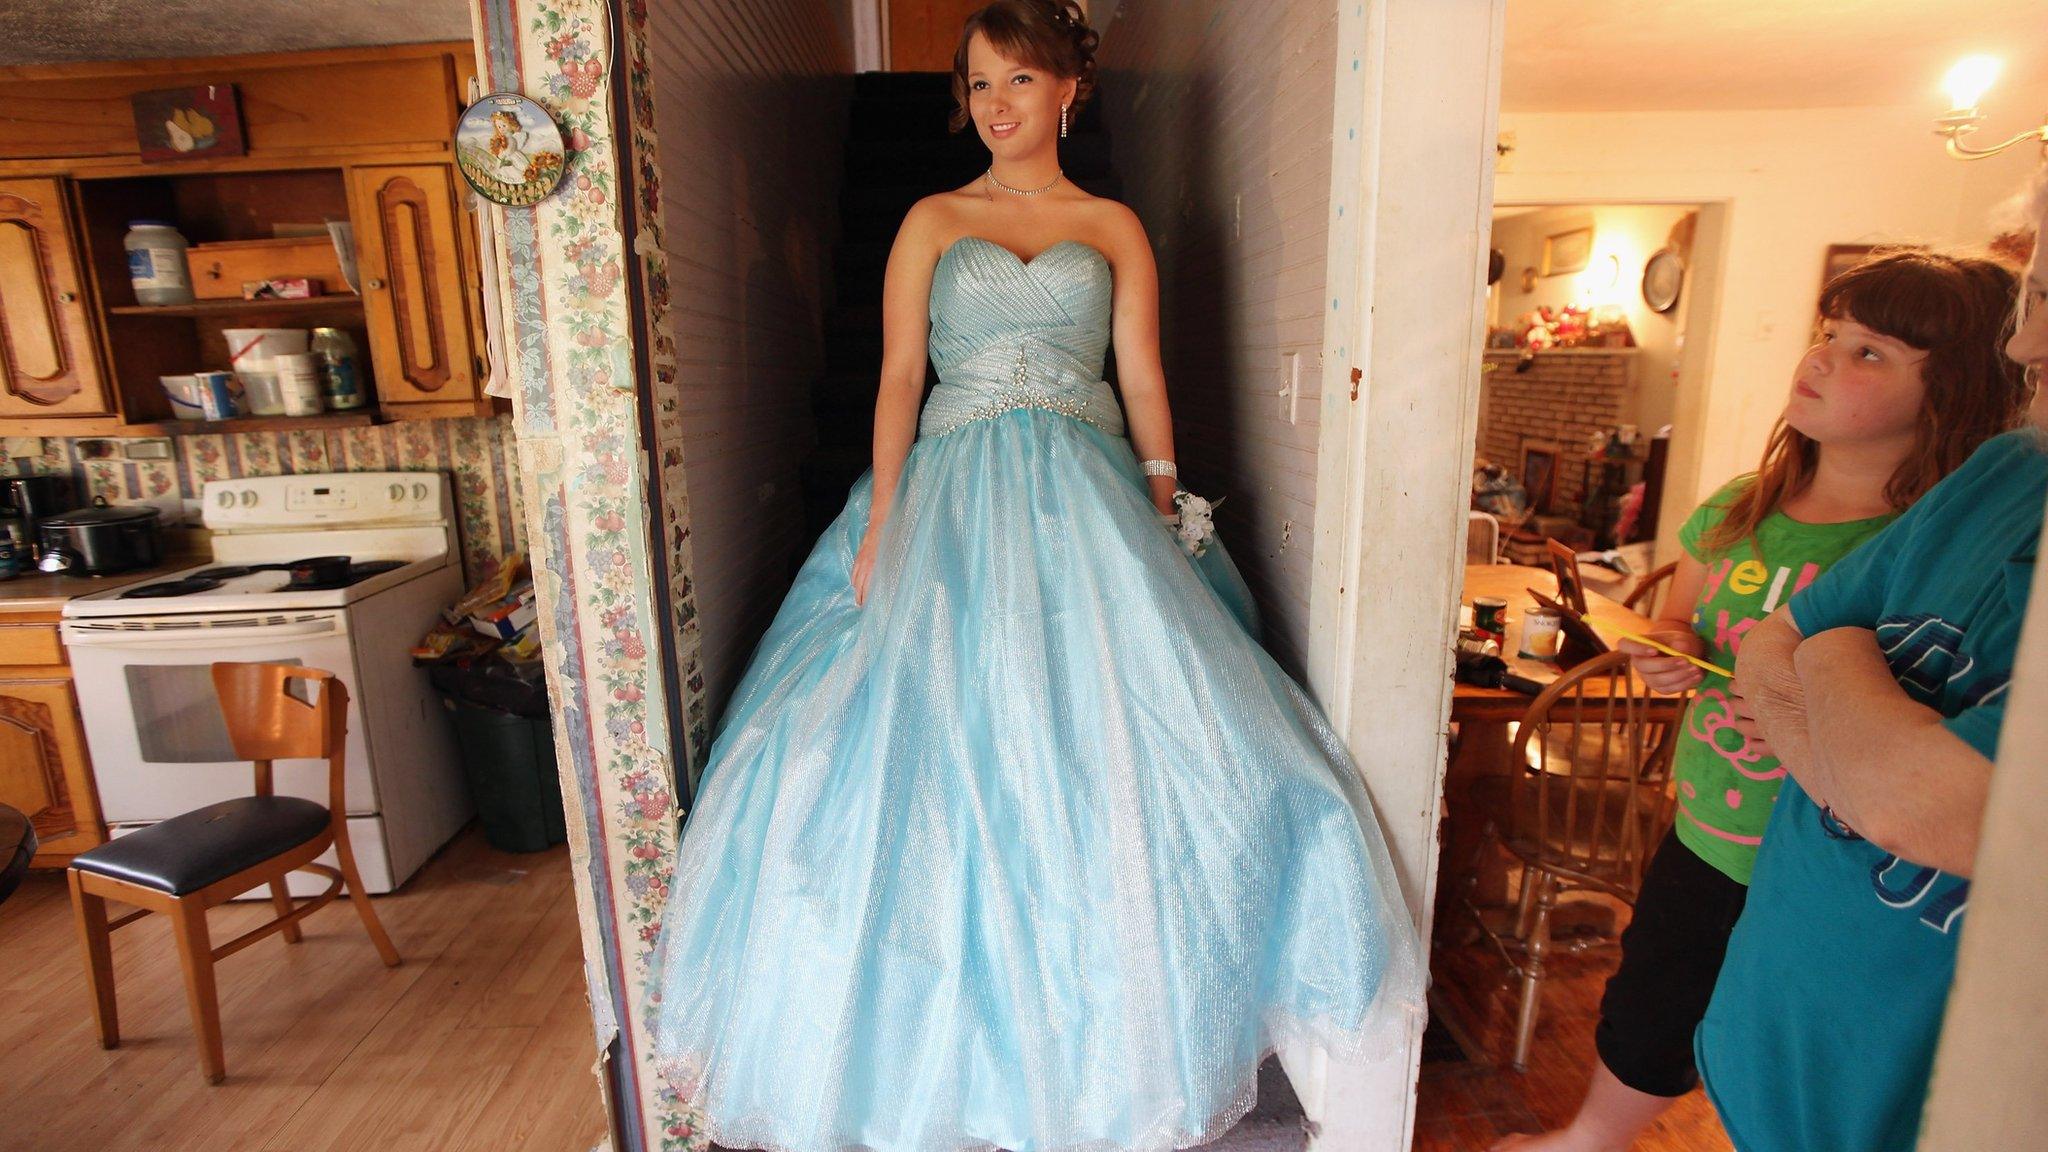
{"points": [[1191, 521]]}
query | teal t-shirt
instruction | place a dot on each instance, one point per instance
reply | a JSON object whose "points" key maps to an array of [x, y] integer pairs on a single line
{"points": [[1820, 1036], [1726, 789]]}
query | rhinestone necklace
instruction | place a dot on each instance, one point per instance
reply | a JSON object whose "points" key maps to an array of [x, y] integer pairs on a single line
{"points": [[991, 174]]}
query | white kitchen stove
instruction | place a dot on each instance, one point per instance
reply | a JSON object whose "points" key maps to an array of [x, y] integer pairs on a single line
{"points": [[141, 658]]}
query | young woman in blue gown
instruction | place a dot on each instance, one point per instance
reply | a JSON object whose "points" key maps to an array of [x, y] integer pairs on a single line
{"points": [[1012, 835]]}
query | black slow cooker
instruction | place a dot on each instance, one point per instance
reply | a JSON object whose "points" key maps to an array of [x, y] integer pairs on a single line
{"points": [[101, 539]]}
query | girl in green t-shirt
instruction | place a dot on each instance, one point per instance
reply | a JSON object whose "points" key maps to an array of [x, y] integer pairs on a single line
{"points": [[1902, 384]]}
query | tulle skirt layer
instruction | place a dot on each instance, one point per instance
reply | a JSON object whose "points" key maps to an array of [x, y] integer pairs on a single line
{"points": [[1035, 850]]}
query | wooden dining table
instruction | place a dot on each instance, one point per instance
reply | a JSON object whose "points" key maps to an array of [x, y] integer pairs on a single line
{"points": [[1482, 715], [1512, 583]]}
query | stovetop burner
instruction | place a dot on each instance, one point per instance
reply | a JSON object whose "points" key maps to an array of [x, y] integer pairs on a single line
{"points": [[185, 587], [230, 571], [208, 579], [356, 574]]}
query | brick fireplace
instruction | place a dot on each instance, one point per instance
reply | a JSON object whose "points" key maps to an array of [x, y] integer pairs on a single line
{"points": [[1566, 397]]}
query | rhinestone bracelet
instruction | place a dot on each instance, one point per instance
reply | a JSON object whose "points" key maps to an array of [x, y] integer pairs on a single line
{"points": [[1161, 468]]}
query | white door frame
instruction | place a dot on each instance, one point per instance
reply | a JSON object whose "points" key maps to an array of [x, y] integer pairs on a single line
{"points": [[1411, 205], [1990, 1083], [1705, 273]]}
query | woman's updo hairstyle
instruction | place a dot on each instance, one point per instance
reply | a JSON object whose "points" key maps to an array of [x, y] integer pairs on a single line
{"points": [[1052, 35]]}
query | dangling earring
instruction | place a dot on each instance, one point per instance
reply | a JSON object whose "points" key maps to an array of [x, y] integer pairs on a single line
{"points": [[1063, 121]]}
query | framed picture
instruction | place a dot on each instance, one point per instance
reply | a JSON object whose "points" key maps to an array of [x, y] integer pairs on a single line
{"points": [[1571, 587], [1539, 473], [1567, 252], [188, 123]]}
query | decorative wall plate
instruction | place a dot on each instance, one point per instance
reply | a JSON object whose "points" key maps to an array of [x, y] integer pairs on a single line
{"points": [[1663, 276], [510, 150]]}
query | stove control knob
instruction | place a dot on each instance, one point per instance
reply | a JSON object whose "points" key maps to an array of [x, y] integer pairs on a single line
{"points": [[419, 493], [226, 499], [397, 493], [248, 498]]}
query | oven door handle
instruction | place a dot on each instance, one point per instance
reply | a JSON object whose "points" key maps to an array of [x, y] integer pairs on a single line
{"points": [[232, 637]]}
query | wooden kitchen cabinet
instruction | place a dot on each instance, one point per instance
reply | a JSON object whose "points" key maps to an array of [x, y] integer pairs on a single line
{"points": [[357, 134], [49, 362], [44, 769], [415, 278]]}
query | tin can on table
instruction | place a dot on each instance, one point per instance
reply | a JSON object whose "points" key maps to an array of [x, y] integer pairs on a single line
{"points": [[1490, 615], [1473, 642], [217, 395], [1542, 632]]}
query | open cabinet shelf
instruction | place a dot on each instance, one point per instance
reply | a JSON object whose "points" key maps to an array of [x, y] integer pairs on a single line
{"points": [[351, 305], [353, 418]]}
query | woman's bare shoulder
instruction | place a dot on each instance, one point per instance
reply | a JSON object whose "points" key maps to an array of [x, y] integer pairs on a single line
{"points": [[1122, 233]]}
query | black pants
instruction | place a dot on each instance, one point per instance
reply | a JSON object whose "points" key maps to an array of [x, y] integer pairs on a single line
{"points": [[1670, 957]]}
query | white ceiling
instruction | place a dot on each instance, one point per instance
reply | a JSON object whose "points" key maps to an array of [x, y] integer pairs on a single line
{"points": [[48, 31], [1622, 56]]}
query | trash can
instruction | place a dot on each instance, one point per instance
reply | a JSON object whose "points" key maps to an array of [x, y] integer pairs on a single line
{"points": [[510, 763], [508, 758]]}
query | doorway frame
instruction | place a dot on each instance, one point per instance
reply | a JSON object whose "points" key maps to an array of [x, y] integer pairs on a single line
{"points": [[1705, 273], [1411, 205]]}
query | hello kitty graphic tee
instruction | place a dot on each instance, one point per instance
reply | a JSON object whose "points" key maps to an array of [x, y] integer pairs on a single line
{"points": [[1726, 788]]}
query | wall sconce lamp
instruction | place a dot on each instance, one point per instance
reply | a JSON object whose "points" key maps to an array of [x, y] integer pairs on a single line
{"points": [[1966, 84]]}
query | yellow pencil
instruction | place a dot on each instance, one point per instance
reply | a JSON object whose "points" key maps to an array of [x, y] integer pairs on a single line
{"points": [[1670, 651]]}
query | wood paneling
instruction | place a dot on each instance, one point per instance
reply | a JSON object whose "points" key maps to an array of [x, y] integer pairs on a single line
{"points": [[48, 366], [923, 34], [1220, 118], [750, 99]]}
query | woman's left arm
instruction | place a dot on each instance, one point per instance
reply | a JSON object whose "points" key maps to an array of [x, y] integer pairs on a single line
{"points": [[1896, 774], [1134, 329]]}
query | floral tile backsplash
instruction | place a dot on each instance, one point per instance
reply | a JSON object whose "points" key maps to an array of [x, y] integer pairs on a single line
{"points": [[476, 453]]}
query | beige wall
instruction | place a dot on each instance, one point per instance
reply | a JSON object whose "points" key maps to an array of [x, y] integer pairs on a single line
{"points": [[1219, 115], [1631, 233], [1793, 182], [750, 109]]}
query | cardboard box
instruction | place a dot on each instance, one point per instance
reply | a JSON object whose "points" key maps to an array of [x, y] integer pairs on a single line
{"points": [[293, 288], [506, 617]]}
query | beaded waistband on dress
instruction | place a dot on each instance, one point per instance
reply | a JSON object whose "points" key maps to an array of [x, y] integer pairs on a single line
{"points": [[1042, 382]]}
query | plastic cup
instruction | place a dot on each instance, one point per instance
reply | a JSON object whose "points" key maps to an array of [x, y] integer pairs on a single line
{"points": [[184, 394]]}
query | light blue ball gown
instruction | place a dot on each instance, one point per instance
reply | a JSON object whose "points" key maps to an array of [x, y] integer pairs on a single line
{"points": [[1038, 849]]}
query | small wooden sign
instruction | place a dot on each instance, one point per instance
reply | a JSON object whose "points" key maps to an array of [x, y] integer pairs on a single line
{"points": [[194, 123]]}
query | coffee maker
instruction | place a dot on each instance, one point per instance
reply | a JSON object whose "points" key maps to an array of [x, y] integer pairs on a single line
{"points": [[26, 497]]}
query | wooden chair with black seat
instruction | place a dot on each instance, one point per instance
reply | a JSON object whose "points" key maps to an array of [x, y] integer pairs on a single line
{"points": [[1582, 809], [189, 863]]}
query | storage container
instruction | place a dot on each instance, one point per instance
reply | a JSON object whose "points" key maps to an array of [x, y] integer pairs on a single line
{"points": [[156, 263]]}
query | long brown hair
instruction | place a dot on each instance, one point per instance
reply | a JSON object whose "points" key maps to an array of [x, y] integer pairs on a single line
{"points": [[1958, 310], [1052, 35]]}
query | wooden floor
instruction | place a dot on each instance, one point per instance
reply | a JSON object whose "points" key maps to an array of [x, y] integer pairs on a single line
{"points": [[1464, 1106], [480, 1040]]}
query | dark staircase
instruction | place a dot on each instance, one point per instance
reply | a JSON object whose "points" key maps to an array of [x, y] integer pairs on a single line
{"points": [[898, 151]]}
